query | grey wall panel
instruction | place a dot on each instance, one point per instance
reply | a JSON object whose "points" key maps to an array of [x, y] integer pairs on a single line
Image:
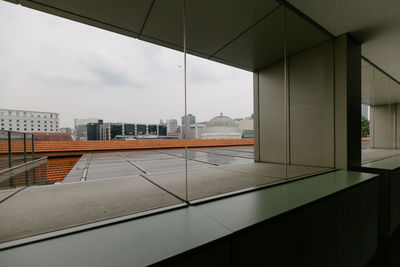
{"points": [[382, 124], [311, 75], [272, 114]]}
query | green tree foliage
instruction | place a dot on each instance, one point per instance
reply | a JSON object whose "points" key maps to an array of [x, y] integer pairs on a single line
{"points": [[364, 127]]}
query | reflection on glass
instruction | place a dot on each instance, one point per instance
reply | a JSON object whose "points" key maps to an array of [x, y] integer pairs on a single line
{"points": [[380, 98]]}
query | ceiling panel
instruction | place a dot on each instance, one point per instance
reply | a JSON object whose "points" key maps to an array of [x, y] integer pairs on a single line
{"points": [[263, 44], [301, 34], [260, 46], [374, 23], [210, 24], [124, 14]]}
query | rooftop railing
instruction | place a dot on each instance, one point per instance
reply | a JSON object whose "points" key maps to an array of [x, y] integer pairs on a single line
{"points": [[18, 165]]}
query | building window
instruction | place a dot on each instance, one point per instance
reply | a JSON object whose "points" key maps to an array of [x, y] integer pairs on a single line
{"points": [[17, 124], [31, 129], [2, 128], [38, 121], [9, 120], [10, 129], [2, 124], [24, 120], [24, 125], [2, 119], [17, 120], [38, 129], [45, 130], [51, 129], [45, 116], [45, 121], [51, 122], [32, 121], [17, 129], [24, 129]]}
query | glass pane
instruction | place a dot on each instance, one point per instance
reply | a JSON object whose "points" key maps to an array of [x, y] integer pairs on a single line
{"points": [[225, 98], [126, 96], [380, 95]]}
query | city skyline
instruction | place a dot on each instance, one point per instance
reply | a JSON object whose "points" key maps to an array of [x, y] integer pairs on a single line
{"points": [[81, 71]]}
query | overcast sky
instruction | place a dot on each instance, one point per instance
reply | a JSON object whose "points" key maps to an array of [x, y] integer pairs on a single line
{"points": [[52, 64]]}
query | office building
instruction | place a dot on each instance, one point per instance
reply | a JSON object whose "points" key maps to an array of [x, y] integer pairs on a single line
{"points": [[191, 119], [172, 126], [28, 121]]}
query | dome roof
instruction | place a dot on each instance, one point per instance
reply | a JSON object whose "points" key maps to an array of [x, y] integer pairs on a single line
{"points": [[221, 121]]}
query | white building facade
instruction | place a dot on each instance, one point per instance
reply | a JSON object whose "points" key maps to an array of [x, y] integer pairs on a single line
{"points": [[29, 121], [172, 126]]}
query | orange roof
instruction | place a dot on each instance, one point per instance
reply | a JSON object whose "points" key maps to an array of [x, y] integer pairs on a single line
{"points": [[58, 168], [80, 147]]}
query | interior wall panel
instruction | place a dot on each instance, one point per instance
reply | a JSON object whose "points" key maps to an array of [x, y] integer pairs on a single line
{"points": [[311, 84]]}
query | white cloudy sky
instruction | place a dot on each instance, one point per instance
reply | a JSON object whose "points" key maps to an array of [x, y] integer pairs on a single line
{"points": [[52, 64]]}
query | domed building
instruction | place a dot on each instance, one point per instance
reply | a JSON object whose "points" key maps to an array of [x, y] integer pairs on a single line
{"points": [[222, 127]]}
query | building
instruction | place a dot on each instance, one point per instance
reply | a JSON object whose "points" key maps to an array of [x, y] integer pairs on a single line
{"points": [[196, 130], [221, 127], [172, 126], [78, 122], [93, 130], [28, 121], [191, 119], [124, 131], [81, 132], [246, 126], [81, 128]]}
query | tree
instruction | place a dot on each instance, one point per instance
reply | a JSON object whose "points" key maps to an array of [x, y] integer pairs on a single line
{"points": [[364, 127]]}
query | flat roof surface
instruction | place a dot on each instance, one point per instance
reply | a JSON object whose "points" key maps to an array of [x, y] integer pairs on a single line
{"points": [[129, 182], [127, 163]]}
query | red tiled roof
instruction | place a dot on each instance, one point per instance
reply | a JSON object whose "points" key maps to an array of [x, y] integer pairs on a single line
{"points": [[59, 148], [58, 168]]}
